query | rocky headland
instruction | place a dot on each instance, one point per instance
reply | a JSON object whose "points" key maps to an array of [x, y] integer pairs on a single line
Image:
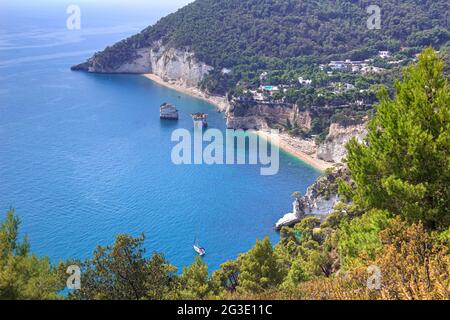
{"points": [[319, 200]]}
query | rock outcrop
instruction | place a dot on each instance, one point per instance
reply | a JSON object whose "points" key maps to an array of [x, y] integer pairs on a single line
{"points": [[291, 218], [175, 65], [333, 148], [265, 115], [262, 116], [319, 200], [170, 64]]}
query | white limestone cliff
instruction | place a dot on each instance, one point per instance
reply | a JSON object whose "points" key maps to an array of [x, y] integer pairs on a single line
{"points": [[262, 116], [176, 65], [319, 200], [333, 148], [172, 65]]}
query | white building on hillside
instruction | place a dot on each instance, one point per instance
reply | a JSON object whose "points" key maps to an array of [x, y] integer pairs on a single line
{"points": [[263, 76], [305, 82], [384, 54]]}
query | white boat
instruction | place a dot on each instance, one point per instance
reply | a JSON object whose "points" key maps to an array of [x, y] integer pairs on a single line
{"points": [[201, 251]]}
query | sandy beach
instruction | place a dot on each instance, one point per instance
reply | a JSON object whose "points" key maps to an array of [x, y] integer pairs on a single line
{"points": [[287, 143], [294, 146], [220, 102]]}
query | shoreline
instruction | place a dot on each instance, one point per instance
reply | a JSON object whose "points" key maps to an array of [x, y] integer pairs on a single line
{"points": [[286, 142], [221, 103]]}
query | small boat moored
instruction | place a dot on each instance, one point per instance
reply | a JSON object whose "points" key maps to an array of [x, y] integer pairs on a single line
{"points": [[197, 248], [201, 251]]}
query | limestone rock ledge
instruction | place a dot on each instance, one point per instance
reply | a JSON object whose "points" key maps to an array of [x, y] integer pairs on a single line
{"points": [[178, 65], [333, 148], [319, 200], [262, 116], [170, 64]]}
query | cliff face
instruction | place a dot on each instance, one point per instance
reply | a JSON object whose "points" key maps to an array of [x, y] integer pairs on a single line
{"points": [[261, 116], [319, 200], [175, 65], [172, 65], [333, 149]]}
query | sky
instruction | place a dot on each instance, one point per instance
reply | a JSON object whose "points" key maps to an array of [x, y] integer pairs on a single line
{"points": [[94, 12], [138, 4]]}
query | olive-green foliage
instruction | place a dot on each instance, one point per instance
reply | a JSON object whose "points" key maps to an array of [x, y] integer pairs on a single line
{"points": [[414, 265], [402, 169], [195, 283], [259, 269], [303, 251], [359, 237], [295, 275], [23, 275], [123, 272], [226, 278]]}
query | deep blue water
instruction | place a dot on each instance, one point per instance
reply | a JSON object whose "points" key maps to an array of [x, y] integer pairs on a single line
{"points": [[84, 157]]}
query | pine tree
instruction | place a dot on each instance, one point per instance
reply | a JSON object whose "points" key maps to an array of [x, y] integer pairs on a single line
{"points": [[123, 272], [259, 269], [404, 164], [195, 281], [226, 278], [295, 275], [22, 275]]}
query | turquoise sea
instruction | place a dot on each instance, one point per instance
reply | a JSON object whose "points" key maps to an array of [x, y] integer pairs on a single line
{"points": [[85, 157]]}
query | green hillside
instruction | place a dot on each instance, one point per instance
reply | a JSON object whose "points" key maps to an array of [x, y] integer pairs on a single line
{"points": [[229, 33]]}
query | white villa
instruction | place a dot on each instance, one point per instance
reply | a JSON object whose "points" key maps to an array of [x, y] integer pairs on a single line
{"points": [[354, 66], [306, 82], [263, 76], [384, 54], [339, 87], [371, 69]]}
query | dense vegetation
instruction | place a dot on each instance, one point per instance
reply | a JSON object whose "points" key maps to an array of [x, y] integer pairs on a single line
{"points": [[407, 156], [23, 275], [394, 217], [253, 35]]}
